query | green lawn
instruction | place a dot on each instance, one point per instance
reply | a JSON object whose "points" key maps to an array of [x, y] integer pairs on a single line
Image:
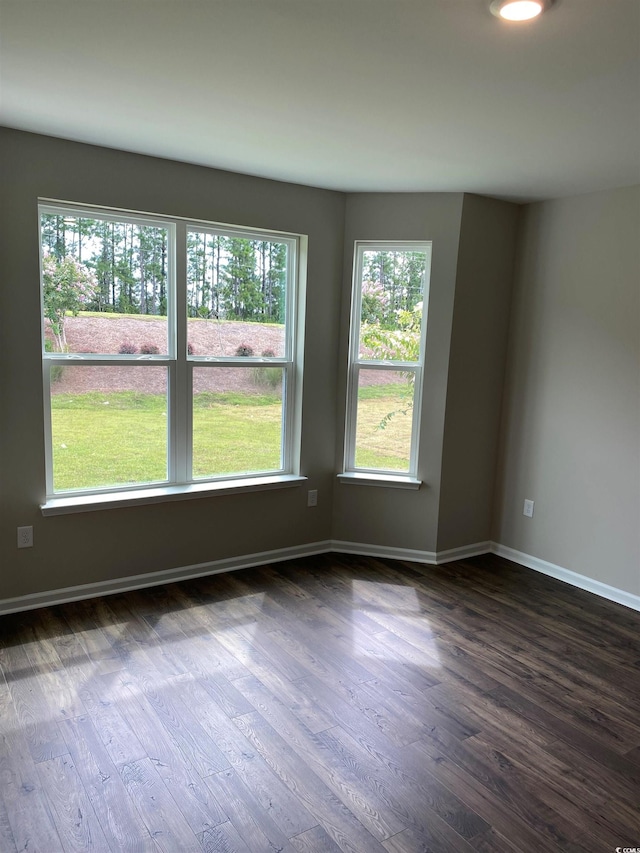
{"points": [[108, 439], [233, 433], [118, 438], [383, 441]]}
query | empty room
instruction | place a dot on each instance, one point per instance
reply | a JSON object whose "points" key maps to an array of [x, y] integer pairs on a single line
{"points": [[319, 426]]}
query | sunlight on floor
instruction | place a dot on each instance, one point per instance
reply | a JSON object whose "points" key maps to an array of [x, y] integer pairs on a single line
{"points": [[400, 630], [235, 620]]}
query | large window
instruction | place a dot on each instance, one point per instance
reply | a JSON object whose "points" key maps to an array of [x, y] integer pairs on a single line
{"points": [[169, 351], [386, 357]]}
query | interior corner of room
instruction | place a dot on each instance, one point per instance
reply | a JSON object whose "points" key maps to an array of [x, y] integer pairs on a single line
{"points": [[530, 386], [502, 135]]}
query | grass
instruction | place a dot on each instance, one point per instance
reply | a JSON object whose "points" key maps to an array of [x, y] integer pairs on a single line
{"points": [[237, 439], [108, 439], [210, 399], [232, 433], [383, 441], [381, 392], [122, 401], [120, 438]]}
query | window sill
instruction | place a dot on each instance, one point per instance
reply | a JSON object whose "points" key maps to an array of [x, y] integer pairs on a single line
{"points": [[391, 481], [163, 494]]}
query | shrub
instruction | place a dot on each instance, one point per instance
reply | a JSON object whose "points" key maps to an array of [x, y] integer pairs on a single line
{"points": [[268, 376], [244, 351], [149, 349], [127, 348], [56, 372], [190, 349], [67, 287]]}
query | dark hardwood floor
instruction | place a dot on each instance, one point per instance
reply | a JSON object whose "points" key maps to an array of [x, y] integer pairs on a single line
{"points": [[331, 703]]}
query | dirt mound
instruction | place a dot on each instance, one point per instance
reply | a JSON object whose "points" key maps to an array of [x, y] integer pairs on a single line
{"points": [[207, 337]]}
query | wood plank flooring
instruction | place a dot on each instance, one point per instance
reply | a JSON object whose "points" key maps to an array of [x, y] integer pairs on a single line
{"points": [[327, 704]]}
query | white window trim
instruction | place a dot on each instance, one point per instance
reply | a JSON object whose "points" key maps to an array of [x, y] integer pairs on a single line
{"points": [[179, 365], [352, 474], [363, 478], [165, 494]]}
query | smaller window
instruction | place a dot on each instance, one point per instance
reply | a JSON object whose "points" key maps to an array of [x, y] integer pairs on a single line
{"points": [[386, 357]]}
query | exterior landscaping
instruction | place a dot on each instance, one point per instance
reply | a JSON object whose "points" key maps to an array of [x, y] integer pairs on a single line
{"points": [[109, 423]]}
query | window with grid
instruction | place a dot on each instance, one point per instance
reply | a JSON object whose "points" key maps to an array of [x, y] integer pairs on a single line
{"points": [[169, 350], [386, 357]]}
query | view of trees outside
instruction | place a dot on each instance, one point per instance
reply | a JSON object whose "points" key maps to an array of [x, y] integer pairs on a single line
{"points": [[105, 291], [392, 286], [392, 290], [122, 267], [235, 278], [128, 261], [67, 286]]}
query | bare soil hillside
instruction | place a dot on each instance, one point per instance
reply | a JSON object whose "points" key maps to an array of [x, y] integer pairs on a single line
{"points": [[206, 337]]}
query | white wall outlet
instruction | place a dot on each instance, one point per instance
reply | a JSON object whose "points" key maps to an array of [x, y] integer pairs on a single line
{"points": [[25, 537], [312, 497], [528, 508]]}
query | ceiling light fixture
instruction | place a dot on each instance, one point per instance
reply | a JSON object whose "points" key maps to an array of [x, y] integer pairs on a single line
{"points": [[519, 10]]}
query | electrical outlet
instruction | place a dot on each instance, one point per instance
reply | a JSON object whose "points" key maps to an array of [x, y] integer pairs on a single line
{"points": [[25, 537], [528, 509], [312, 497]]}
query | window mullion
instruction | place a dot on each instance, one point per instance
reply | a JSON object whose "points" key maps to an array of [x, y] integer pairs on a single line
{"points": [[352, 416], [48, 433], [180, 435], [353, 369], [415, 420], [290, 448]]}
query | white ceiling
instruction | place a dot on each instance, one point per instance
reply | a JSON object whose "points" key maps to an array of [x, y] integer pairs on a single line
{"points": [[410, 95]]}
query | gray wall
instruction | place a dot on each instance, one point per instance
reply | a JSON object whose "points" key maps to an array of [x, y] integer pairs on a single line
{"points": [[571, 418], [97, 546], [571, 426], [473, 242], [380, 515], [476, 370]]}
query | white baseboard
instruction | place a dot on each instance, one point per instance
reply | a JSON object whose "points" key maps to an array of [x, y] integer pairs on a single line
{"points": [[247, 561], [612, 593], [362, 550], [131, 582], [437, 558], [430, 558], [111, 587], [464, 552]]}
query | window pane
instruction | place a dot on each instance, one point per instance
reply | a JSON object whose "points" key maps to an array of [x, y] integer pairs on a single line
{"points": [[104, 285], [384, 419], [392, 289], [236, 290], [237, 420], [109, 426]]}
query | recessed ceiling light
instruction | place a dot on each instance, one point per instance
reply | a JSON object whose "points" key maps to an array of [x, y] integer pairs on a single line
{"points": [[519, 10]]}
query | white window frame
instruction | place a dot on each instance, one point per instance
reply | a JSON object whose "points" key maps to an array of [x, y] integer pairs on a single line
{"points": [[380, 476], [180, 482]]}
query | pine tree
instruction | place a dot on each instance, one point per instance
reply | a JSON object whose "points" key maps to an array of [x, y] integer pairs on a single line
{"points": [[240, 290]]}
